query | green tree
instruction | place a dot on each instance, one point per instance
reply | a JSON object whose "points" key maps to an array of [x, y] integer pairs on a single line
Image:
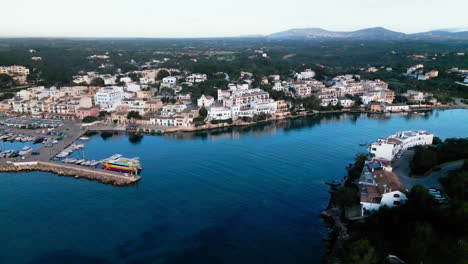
{"points": [[421, 242], [424, 159], [360, 252], [163, 74], [345, 196], [97, 82], [133, 115], [6, 81], [103, 114], [134, 76], [203, 112]]}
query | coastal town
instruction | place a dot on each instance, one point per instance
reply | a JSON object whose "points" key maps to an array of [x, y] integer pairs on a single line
{"points": [[215, 132], [157, 99]]}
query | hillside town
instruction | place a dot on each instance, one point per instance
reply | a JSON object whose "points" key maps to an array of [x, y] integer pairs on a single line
{"points": [[154, 100]]}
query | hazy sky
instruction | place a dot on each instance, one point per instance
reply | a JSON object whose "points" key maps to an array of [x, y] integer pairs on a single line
{"points": [[219, 18]]}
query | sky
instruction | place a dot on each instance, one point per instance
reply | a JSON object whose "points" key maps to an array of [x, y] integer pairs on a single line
{"points": [[220, 18]]}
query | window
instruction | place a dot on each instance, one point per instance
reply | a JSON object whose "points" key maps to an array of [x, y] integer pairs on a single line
{"points": [[396, 202], [396, 195]]}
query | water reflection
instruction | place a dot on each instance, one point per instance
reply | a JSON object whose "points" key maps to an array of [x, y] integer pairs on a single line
{"points": [[272, 127]]}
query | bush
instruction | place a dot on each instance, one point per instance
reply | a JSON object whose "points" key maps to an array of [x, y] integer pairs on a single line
{"points": [[89, 119], [214, 122], [247, 119]]}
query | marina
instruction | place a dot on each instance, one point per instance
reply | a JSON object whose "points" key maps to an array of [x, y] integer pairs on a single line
{"points": [[48, 150]]}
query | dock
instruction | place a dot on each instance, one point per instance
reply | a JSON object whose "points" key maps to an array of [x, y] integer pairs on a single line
{"points": [[43, 162]]}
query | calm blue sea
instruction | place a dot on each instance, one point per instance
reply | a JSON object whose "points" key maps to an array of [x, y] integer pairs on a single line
{"points": [[242, 195]]}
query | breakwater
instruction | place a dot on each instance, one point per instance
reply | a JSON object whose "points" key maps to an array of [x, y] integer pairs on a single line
{"points": [[99, 175]]}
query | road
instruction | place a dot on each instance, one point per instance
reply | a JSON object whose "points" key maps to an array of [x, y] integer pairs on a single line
{"points": [[458, 102], [431, 179]]}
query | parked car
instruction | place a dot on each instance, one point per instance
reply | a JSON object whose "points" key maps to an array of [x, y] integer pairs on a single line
{"points": [[35, 153]]}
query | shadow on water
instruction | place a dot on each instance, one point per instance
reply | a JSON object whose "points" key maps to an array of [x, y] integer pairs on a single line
{"points": [[135, 138], [67, 256], [208, 245]]}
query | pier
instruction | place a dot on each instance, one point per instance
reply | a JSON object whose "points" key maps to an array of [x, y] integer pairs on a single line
{"points": [[100, 175], [43, 161]]}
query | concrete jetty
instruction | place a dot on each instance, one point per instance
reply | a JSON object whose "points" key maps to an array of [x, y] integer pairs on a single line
{"points": [[100, 175]]}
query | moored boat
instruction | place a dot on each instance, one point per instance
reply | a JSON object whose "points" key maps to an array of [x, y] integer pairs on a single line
{"points": [[118, 163]]}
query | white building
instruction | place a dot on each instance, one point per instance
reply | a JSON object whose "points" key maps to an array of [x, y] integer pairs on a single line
{"points": [[109, 98], [196, 78], [346, 102], [168, 82], [367, 99], [126, 79], [219, 113], [307, 74], [205, 101], [266, 107], [132, 87], [387, 148], [109, 80], [395, 107]]}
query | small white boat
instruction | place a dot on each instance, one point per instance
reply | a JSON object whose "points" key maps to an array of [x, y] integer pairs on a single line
{"points": [[116, 156], [84, 138], [24, 152], [71, 160], [26, 148]]}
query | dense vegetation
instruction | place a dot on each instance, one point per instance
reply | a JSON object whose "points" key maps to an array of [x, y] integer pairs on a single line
{"points": [[427, 157], [64, 58], [420, 231], [347, 195]]}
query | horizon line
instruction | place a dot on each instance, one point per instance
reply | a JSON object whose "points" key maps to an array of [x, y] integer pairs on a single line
{"points": [[463, 29]]}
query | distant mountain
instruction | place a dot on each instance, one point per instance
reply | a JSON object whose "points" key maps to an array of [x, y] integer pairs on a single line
{"points": [[454, 29], [440, 35], [319, 33], [376, 33]]}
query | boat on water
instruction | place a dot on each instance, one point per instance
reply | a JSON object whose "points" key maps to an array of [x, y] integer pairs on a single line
{"points": [[26, 148], [126, 165], [84, 138], [362, 143], [116, 156]]}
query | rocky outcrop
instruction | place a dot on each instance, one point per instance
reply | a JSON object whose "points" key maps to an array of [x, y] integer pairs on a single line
{"points": [[339, 234], [102, 176]]}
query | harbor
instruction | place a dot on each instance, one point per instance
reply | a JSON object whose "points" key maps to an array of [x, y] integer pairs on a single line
{"points": [[48, 151]]}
